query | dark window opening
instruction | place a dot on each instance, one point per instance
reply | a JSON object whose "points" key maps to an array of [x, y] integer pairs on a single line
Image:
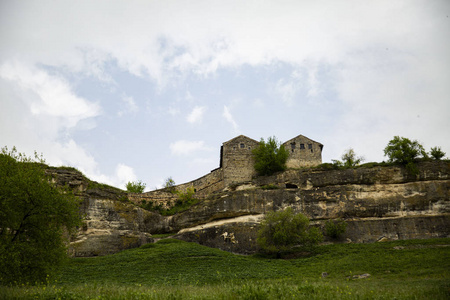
{"points": [[291, 186], [309, 146], [302, 146], [242, 146], [293, 146]]}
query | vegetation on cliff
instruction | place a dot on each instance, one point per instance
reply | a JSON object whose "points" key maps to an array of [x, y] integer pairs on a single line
{"points": [[270, 157], [34, 217], [281, 230], [135, 187]]}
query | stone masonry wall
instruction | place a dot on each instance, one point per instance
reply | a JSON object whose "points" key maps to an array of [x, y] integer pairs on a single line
{"points": [[237, 160], [303, 152]]}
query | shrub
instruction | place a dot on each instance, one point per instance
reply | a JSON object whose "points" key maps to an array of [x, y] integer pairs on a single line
{"points": [[437, 153], [335, 229], [270, 157], [169, 185], [282, 230], [135, 187]]}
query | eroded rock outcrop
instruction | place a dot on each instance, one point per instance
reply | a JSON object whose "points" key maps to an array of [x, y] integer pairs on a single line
{"points": [[378, 203]]}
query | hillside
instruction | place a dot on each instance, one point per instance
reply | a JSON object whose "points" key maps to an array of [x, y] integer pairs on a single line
{"points": [[172, 269]]}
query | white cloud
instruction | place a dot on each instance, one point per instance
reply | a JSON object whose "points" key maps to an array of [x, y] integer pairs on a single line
{"points": [[227, 115], [53, 95], [196, 114], [124, 174], [184, 147]]}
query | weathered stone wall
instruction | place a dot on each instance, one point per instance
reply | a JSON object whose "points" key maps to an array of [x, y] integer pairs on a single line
{"points": [[303, 152], [162, 198], [205, 185], [237, 160]]}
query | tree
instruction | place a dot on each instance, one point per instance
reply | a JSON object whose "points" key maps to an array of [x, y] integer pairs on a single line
{"points": [[404, 151], [280, 231], [349, 159], [169, 184], [135, 187], [35, 216], [270, 157], [437, 153]]}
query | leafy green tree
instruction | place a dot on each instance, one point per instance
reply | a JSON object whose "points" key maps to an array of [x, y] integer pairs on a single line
{"points": [[270, 157], [135, 187], [35, 218], [280, 231], [437, 153], [349, 159], [169, 184], [404, 151]]}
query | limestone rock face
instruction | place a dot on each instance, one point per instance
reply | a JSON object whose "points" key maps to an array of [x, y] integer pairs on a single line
{"points": [[111, 223], [378, 203]]}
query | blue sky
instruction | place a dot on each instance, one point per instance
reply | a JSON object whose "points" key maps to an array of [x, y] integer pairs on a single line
{"points": [[146, 90]]}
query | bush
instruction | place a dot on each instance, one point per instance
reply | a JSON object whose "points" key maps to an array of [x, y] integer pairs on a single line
{"points": [[135, 187], [169, 185], [437, 153], [335, 229], [282, 230], [270, 157]]}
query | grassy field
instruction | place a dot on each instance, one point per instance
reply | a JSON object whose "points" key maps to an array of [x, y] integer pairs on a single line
{"points": [[171, 269]]}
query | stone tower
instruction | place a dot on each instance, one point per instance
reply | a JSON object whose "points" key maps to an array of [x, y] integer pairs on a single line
{"points": [[303, 152], [236, 159]]}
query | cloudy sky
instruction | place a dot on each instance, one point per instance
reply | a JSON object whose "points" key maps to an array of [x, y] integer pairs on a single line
{"points": [[145, 90]]}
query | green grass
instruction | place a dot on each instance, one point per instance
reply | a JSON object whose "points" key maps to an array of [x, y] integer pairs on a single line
{"points": [[172, 269]]}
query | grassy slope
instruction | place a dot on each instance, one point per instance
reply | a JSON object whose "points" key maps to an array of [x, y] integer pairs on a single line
{"points": [[175, 269]]}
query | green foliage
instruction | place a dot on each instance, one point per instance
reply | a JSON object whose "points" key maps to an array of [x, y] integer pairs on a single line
{"points": [[184, 202], [437, 153], [169, 184], [404, 151], [270, 187], [135, 187], [335, 229], [282, 230], [34, 215], [349, 160], [270, 157]]}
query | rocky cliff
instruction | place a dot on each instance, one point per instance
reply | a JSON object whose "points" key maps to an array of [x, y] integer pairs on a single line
{"points": [[378, 203]]}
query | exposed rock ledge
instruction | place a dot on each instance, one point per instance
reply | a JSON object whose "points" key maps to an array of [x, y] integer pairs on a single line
{"points": [[380, 203]]}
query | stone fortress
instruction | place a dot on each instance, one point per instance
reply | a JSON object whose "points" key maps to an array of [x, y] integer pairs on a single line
{"points": [[237, 166]]}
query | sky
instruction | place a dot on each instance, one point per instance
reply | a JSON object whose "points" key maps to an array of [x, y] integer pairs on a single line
{"points": [[147, 90]]}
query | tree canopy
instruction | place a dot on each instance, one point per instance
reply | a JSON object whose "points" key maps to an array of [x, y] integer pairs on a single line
{"points": [[34, 218], [270, 157]]}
